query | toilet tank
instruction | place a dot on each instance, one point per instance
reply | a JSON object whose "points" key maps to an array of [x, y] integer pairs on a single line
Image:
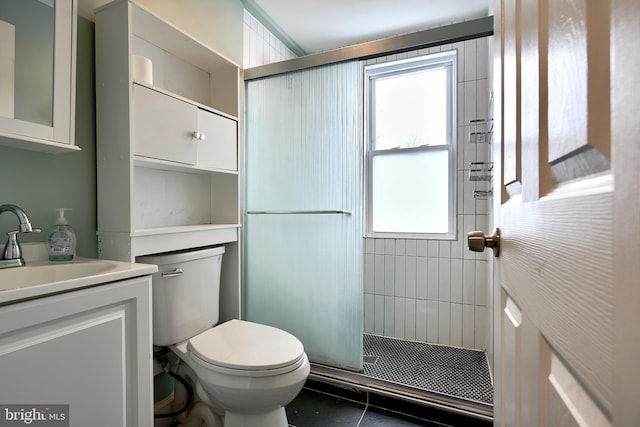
{"points": [[186, 293]]}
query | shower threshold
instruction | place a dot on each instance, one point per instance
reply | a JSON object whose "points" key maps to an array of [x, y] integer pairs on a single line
{"points": [[451, 379]]}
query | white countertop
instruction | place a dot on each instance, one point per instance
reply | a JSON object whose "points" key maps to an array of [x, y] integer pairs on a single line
{"points": [[41, 278]]}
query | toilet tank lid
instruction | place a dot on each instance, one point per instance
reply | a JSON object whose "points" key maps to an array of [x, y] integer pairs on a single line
{"points": [[181, 256], [238, 344]]}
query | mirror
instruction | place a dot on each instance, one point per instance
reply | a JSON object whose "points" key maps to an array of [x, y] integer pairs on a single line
{"points": [[27, 60]]}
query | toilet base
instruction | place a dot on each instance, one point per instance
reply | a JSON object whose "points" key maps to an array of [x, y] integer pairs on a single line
{"points": [[275, 418]]}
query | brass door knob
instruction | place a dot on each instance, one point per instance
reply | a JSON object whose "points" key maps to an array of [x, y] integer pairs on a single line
{"points": [[478, 241]]}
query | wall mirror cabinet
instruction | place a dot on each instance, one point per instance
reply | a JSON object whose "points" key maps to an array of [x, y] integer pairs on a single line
{"points": [[37, 74]]}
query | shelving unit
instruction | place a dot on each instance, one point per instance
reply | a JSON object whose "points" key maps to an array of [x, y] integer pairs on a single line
{"points": [[167, 149], [481, 133]]}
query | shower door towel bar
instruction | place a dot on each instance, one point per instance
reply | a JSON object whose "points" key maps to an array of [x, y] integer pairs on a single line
{"points": [[311, 212]]}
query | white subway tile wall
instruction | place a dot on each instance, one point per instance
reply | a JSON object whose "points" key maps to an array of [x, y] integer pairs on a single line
{"points": [[424, 290], [430, 290], [260, 45]]}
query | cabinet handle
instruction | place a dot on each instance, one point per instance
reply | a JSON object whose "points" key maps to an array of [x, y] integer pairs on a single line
{"points": [[198, 135], [172, 273]]}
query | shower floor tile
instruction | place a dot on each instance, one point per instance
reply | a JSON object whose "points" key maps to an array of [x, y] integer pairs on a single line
{"points": [[451, 371]]}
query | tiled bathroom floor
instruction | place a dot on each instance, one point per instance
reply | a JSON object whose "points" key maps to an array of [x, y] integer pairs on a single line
{"points": [[314, 408], [455, 373]]}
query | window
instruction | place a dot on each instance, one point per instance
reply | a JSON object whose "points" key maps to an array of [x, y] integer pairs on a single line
{"points": [[410, 131]]}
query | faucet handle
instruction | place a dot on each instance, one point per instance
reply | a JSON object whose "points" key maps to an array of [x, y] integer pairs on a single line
{"points": [[12, 249]]}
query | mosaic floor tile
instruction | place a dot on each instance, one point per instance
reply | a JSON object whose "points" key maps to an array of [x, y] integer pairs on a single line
{"points": [[450, 371]]}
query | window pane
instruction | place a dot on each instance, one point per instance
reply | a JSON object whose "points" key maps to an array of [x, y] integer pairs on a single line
{"points": [[411, 109], [410, 192]]}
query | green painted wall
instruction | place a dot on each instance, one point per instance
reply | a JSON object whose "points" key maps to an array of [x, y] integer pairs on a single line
{"points": [[39, 183]]}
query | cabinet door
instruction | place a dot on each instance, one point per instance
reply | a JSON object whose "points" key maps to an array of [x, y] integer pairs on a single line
{"points": [[37, 74], [88, 349], [163, 126], [219, 149]]}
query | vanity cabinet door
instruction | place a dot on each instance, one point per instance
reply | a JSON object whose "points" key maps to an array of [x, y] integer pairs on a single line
{"points": [[163, 126], [219, 149], [89, 349]]}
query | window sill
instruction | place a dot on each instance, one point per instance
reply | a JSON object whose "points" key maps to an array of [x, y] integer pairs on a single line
{"points": [[410, 236]]}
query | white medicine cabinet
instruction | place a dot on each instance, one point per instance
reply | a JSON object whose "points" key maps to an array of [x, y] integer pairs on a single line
{"points": [[167, 142], [37, 74]]}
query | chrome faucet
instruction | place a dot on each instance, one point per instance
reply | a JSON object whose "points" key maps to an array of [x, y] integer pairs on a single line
{"points": [[12, 253]]}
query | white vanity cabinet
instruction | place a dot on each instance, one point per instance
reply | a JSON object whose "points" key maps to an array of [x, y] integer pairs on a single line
{"points": [[89, 349], [167, 143], [37, 74]]}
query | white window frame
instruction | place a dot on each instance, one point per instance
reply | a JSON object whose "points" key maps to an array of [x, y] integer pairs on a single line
{"points": [[447, 59]]}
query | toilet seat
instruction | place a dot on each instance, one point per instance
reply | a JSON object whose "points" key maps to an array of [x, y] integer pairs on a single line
{"points": [[247, 349]]}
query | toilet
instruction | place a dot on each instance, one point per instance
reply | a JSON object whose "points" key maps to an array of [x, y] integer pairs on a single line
{"points": [[249, 370]]}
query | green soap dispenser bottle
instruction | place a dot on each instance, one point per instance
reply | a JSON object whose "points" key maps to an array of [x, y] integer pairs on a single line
{"points": [[62, 241]]}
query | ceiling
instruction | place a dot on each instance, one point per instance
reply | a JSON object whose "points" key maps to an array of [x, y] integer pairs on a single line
{"points": [[311, 26], [317, 26]]}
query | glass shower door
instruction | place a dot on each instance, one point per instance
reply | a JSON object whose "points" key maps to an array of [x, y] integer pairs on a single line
{"points": [[303, 222]]}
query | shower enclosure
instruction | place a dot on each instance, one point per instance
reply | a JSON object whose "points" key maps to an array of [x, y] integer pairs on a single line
{"points": [[441, 294], [303, 221]]}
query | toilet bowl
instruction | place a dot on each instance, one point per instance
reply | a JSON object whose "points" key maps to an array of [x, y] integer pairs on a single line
{"points": [[249, 370]]}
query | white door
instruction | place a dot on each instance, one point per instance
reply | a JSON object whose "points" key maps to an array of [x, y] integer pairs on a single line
{"points": [[567, 202]]}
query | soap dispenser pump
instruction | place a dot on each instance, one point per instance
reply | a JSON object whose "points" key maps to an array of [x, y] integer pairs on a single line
{"points": [[62, 241]]}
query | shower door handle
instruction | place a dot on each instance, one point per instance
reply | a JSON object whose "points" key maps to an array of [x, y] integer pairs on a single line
{"points": [[307, 212], [478, 241]]}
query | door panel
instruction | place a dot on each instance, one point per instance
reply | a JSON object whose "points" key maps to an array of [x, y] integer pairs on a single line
{"points": [[625, 126], [511, 321], [578, 88], [567, 77], [557, 264], [511, 82], [554, 341], [568, 403], [523, 348]]}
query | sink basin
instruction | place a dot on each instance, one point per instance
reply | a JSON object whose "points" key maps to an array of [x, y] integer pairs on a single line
{"points": [[39, 273], [40, 278]]}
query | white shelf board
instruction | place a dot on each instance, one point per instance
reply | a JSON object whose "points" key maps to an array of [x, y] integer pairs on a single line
{"points": [[151, 163], [159, 32], [36, 144], [156, 240]]}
